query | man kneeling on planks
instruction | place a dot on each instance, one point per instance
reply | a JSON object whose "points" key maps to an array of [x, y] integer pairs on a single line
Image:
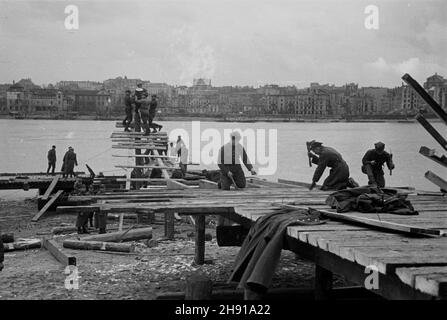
{"points": [[324, 157], [229, 163]]}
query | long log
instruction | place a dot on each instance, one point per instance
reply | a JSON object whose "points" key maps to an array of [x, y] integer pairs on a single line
{"points": [[98, 245], [58, 254], [131, 235], [22, 245]]}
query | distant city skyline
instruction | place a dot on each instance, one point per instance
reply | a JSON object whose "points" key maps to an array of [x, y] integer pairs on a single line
{"points": [[234, 43]]}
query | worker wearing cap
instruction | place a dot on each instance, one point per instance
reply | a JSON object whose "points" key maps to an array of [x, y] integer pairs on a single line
{"points": [[372, 164], [324, 157], [229, 160]]}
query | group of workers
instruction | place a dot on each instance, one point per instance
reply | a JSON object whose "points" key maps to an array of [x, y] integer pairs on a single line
{"points": [[143, 108], [231, 172], [68, 163]]}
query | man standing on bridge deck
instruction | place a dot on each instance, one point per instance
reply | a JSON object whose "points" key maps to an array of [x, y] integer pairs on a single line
{"points": [[229, 163], [372, 164], [70, 162], [152, 112], [51, 156], [128, 109], [328, 157]]}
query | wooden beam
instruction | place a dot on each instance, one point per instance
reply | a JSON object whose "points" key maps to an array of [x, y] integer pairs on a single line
{"points": [[296, 183], [47, 205], [98, 245], [430, 153], [207, 184], [57, 253], [430, 129], [50, 188], [441, 183], [270, 183], [142, 156], [145, 167], [426, 97], [148, 147]]}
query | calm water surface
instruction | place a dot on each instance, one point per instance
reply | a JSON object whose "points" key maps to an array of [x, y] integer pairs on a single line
{"points": [[24, 145]]}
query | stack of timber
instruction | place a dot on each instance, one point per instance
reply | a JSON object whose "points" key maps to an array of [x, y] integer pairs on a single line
{"points": [[425, 151], [408, 251]]}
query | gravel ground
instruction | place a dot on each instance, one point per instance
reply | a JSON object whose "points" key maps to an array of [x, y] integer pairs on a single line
{"points": [[35, 274]]}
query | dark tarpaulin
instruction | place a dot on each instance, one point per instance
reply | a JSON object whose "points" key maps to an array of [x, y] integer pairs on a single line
{"points": [[259, 255]]}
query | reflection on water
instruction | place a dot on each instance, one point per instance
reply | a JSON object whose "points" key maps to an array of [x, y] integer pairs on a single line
{"points": [[24, 145]]}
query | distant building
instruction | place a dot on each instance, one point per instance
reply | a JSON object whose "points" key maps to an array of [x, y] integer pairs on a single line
{"points": [[79, 85], [437, 88]]}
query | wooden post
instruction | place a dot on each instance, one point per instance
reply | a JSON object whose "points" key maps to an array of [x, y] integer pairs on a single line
{"points": [[169, 225], [323, 283], [198, 287], [199, 257]]}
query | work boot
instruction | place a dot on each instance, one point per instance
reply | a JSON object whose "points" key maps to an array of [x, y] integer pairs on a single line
{"points": [[102, 230], [85, 230], [159, 128], [147, 133], [80, 230]]}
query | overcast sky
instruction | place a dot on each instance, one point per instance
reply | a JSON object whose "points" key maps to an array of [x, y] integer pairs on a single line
{"points": [[238, 42]]}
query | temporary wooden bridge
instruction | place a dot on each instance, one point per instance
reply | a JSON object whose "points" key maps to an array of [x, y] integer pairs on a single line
{"points": [[409, 252]]}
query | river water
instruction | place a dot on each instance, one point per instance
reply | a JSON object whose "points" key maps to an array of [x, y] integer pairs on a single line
{"points": [[24, 145]]}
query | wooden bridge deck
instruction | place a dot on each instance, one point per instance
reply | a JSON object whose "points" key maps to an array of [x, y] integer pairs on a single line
{"points": [[409, 266]]}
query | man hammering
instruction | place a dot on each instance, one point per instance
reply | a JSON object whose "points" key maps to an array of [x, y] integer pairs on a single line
{"points": [[229, 163], [372, 164], [324, 157]]}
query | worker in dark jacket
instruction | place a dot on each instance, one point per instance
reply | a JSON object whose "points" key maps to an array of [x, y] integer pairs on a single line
{"points": [[51, 160], [229, 163], [69, 162], [372, 164], [128, 109], [328, 157]]}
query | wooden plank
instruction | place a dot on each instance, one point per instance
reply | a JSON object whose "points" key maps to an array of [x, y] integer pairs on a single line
{"points": [[426, 97], [145, 167], [387, 261], [142, 156], [270, 183], [371, 222], [441, 183], [47, 205], [207, 184], [430, 153], [148, 147], [297, 183], [57, 253], [431, 130], [50, 188], [430, 280], [176, 185]]}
